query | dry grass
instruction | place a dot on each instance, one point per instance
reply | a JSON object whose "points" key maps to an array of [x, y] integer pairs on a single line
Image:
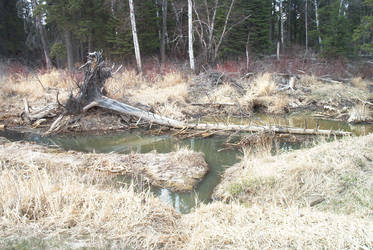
{"points": [[233, 226], [36, 85], [171, 79], [81, 208], [360, 83], [225, 93], [338, 174], [118, 85], [360, 113], [337, 94], [308, 80], [44, 205], [263, 85], [165, 94]]}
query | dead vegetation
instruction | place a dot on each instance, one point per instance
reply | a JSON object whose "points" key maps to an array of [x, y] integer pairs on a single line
{"points": [[178, 171], [334, 177], [57, 205], [184, 97]]}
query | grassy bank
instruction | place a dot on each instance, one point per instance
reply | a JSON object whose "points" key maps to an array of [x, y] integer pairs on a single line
{"points": [[334, 177], [178, 171], [46, 205]]}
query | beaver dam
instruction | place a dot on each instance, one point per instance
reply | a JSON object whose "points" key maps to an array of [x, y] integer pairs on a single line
{"points": [[219, 152]]}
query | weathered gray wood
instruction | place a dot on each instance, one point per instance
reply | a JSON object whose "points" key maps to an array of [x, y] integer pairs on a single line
{"points": [[123, 108]]}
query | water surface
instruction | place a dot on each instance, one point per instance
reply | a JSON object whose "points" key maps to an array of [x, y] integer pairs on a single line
{"points": [[217, 159]]}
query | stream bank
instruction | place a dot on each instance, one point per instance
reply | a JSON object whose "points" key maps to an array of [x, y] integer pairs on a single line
{"points": [[220, 152], [177, 171]]}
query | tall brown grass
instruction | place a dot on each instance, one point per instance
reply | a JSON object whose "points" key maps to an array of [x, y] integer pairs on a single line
{"points": [[263, 85], [37, 84], [76, 207], [338, 173]]}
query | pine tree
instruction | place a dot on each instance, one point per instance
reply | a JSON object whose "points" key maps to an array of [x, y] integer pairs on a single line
{"points": [[363, 34], [12, 38], [336, 31]]}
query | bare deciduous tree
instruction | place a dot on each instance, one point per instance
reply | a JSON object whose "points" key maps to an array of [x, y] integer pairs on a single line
{"points": [[317, 23], [281, 24], [306, 23], [164, 31], [135, 39], [43, 36], [190, 34]]}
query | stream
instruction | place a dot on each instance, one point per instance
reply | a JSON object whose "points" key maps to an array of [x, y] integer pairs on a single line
{"points": [[138, 141]]}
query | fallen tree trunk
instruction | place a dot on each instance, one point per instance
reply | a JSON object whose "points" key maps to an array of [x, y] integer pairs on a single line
{"points": [[92, 91], [123, 108]]}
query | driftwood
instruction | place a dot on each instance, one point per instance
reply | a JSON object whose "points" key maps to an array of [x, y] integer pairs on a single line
{"points": [[34, 115], [92, 94]]}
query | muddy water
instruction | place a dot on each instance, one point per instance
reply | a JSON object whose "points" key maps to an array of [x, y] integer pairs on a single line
{"points": [[136, 141]]}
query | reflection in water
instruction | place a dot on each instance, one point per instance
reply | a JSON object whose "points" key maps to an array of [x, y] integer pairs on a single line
{"points": [[137, 142]]}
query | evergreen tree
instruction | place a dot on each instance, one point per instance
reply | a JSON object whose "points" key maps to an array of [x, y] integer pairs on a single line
{"points": [[336, 31], [12, 38], [363, 34], [255, 29]]}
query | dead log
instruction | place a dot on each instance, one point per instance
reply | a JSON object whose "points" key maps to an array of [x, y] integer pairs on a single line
{"points": [[31, 116], [92, 94], [150, 117]]}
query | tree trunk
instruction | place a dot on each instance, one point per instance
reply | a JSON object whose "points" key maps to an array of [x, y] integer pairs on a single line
{"points": [[281, 25], [69, 50], [89, 42], [112, 7], [224, 30], [340, 7], [43, 37], [247, 52], [190, 35], [306, 23], [120, 107], [278, 51], [211, 28], [135, 39], [44, 43], [318, 23], [164, 31]]}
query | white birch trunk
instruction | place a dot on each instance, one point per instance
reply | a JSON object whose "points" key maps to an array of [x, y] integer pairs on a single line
{"points": [[317, 23], [190, 34], [278, 51], [282, 25], [135, 39], [306, 24], [247, 52], [340, 7]]}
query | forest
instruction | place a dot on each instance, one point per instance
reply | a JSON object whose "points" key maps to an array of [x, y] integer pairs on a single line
{"points": [[186, 124], [60, 33]]}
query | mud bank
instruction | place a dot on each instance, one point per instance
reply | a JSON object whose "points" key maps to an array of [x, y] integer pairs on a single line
{"points": [[178, 171]]}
